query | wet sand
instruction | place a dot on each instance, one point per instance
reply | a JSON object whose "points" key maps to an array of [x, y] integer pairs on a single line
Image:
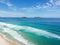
{"points": [[5, 41]]}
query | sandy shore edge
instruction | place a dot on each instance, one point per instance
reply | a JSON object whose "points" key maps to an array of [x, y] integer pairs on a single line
{"points": [[5, 41]]}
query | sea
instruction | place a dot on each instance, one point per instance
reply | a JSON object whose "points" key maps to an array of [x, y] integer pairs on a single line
{"points": [[31, 31]]}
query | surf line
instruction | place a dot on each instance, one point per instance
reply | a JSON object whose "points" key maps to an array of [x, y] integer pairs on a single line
{"points": [[8, 28], [41, 32], [31, 29]]}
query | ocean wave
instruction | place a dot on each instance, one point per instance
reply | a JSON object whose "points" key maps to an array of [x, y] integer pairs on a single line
{"points": [[8, 28], [11, 29]]}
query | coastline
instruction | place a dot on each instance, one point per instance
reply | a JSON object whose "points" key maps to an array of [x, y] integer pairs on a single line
{"points": [[6, 41]]}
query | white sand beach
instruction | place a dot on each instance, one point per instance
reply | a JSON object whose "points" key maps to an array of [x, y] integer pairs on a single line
{"points": [[5, 41]]}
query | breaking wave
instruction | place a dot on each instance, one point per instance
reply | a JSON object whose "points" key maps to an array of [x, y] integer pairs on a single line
{"points": [[12, 30]]}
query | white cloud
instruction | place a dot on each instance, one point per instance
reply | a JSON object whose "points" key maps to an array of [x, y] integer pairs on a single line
{"points": [[43, 6], [50, 4], [51, 1], [6, 2], [9, 4], [28, 10], [11, 14], [57, 2]]}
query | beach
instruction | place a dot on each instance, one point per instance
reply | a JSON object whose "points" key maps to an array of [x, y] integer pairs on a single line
{"points": [[5, 41]]}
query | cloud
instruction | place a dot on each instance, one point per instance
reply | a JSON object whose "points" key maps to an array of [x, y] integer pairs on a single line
{"points": [[51, 1], [9, 4], [6, 2], [43, 6], [30, 9], [48, 4], [25, 11], [11, 14], [57, 2]]}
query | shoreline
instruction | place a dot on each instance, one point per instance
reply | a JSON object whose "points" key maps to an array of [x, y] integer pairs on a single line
{"points": [[6, 41]]}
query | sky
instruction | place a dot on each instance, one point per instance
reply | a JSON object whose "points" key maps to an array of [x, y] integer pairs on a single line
{"points": [[30, 8]]}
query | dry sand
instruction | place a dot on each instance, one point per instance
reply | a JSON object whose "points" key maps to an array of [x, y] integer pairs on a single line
{"points": [[5, 41]]}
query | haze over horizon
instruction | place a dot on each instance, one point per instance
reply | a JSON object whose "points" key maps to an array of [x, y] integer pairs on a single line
{"points": [[30, 8]]}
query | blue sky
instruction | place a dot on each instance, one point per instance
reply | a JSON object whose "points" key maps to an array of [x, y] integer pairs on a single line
{"points": [[30, 8]]}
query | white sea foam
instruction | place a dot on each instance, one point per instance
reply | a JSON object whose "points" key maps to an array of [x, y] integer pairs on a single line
{"points": [[13, 33], [42, 32], [27, 28]]}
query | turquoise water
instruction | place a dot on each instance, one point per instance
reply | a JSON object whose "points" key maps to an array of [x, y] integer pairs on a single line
{"points": [[31, 31]]}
